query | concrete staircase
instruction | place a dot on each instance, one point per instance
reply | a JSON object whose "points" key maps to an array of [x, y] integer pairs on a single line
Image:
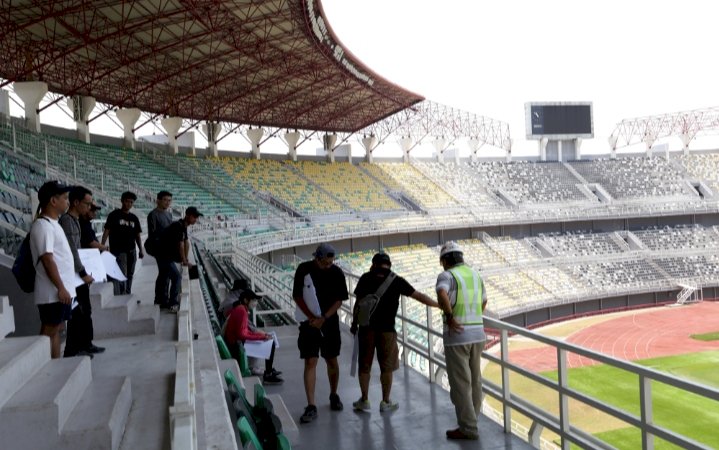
{"points": [[120, 315], [56, 403]]}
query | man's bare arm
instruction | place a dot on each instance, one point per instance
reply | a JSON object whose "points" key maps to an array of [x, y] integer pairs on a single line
{"points": [[446, 306], [48, 262], [424, 299]]}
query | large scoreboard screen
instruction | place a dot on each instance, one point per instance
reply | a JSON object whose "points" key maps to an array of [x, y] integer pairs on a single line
{"points": [[559, 120]]}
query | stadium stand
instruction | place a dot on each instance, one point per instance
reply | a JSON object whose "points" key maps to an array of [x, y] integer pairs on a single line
{"points": [[636, 177], [530, 182], [348, 184], [679, 238], [581, 244], [417, 186], [461, 181], [703, 167], [283, 184]]}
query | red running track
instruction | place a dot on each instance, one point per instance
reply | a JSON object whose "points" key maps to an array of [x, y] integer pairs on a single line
{"points": [[661, 332]]}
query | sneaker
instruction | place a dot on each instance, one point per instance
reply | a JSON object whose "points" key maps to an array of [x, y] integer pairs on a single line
{"points": [[336, 403], [94, 349], [361, 405], [309, 415], [80, 353], [271, 378], [459, 434], [276, 372], [388, 406]]}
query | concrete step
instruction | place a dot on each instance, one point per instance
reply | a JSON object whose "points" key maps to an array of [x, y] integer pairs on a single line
{"points": [[20, 359], [121, 315], [98, 420], [289, 427], [39, 410], [7, 318], [100, 294]]}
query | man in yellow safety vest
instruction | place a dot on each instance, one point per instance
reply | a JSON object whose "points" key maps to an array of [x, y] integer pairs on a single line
{"points": [[462, 298]]}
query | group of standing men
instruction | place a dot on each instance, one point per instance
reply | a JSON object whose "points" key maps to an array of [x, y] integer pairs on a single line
{"points": [[64, 224], [319, 290]]}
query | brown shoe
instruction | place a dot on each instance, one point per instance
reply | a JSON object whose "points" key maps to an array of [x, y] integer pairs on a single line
{"points": [[459, 434]]}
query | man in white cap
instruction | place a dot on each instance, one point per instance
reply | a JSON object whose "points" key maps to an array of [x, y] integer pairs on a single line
{"points": [[319, 290], [462, 298]]}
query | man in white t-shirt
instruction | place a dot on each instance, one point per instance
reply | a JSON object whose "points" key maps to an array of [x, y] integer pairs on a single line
{"points": [[54, 267]]}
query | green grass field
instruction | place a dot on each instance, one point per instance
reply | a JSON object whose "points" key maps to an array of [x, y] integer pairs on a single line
{"points": [[706, 336], [687, 414]]}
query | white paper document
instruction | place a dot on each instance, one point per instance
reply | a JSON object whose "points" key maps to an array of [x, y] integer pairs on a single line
{"points": [[309, 294], [113, 270], [259, 349], [274, 339], [94, 266], [355, 355]]}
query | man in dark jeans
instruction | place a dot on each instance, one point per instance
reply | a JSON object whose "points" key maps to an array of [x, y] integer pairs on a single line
{"points": [[79, 327], [174, 248], [123, 228], [157, 220]]}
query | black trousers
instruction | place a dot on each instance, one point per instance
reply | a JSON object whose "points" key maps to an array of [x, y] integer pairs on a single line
{"points": [[79, 328]]}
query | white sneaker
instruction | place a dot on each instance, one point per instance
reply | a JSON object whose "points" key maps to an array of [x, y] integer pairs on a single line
{"points": [[388, 406], [361, 405]]}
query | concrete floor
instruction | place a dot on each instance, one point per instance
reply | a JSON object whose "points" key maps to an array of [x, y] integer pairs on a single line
{"points": [[420, 423], [425, 412], [149, 360]]}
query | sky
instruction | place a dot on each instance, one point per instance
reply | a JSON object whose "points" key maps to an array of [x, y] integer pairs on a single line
{"points": [[630, 58]]}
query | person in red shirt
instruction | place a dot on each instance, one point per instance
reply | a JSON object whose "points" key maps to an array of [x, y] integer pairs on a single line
{"points": [[238, 330]]}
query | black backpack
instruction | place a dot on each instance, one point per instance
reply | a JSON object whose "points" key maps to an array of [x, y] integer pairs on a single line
{"points": [[23, 268]]}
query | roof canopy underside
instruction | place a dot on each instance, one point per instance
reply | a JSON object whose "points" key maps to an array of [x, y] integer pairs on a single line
{"points": [[274, 63]]}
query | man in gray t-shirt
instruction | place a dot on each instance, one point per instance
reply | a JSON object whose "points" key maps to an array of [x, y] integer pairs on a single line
{"points": [[157, 220], [461, 295]]}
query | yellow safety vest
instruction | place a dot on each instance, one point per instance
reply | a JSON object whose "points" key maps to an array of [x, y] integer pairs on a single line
{"points": [[468, 308]]}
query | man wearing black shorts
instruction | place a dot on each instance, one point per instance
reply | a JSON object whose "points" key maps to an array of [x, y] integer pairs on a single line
{"points": [[319, 290], [380, 334], [55, 269]]}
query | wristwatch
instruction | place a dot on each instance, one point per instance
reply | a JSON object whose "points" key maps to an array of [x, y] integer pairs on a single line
{"points": [[448, 317]]}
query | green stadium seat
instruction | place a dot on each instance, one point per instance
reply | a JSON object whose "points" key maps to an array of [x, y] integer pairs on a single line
{"points": [[247, 435]]}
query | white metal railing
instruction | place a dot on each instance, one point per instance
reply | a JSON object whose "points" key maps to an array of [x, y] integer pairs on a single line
{"points": [[420, 340], [183, 421], [561, 425]]}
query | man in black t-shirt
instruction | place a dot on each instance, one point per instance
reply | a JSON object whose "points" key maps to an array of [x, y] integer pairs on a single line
{"points": [[381, 334], [123, 228], [319, 290]]}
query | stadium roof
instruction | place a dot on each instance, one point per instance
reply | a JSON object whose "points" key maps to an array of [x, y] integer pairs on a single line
{"points": [[274, 63]]}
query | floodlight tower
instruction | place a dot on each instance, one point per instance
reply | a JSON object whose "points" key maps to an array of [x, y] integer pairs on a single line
{"points": [[559, 128]]}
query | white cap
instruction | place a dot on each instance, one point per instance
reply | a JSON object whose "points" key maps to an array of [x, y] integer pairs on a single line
{"points": [[449, 247]]}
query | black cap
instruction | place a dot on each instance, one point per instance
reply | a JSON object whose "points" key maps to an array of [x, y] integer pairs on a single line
{"points": [[192, 211], [323, 250], [381, 258], [248, 294], [51, 189]]}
